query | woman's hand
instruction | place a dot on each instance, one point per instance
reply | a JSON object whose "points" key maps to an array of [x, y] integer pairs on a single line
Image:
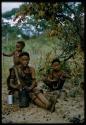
{"points": [[19, 86], [28, 88]]}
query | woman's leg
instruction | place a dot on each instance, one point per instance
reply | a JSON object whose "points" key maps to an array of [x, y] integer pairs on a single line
{"points": [[41, 101]]}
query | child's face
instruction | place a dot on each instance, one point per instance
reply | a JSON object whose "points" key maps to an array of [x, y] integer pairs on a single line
{"points": [[19, 47], [56, 66], [24, 60]]}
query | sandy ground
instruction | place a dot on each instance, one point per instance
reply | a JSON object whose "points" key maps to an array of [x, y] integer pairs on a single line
{"points": [[66, 108]]}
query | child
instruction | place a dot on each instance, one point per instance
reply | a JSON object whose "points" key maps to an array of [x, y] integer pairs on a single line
{"points": [[56, 77], [19, 47]]}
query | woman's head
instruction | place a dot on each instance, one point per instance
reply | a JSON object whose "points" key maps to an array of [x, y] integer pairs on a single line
{"points": [[24, 59]]}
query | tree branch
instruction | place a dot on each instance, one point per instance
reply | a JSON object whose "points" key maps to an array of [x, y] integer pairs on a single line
{"points": [[65, 17], [75, 24], [70, 56], [70, 8]]}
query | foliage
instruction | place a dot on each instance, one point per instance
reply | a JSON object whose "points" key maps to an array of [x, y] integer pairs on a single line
{"points": [[12, 31], [8, 14], [57, 13]]}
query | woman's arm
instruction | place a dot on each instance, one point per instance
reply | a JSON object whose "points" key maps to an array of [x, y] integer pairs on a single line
{"points": [[34, 83], [12, 80]]}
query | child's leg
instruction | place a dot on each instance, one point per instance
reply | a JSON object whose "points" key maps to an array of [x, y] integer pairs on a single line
{"points": [[60, 85]]}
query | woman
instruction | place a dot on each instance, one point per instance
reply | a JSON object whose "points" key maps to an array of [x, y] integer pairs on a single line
{"points": [[27, 80]]}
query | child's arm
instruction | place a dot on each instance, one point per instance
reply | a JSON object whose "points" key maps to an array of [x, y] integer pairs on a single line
{"points": [[9, 55], [50, 78], [64, 75]]}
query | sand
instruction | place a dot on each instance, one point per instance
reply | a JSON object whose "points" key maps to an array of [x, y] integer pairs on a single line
{"points": [[66, 108]]}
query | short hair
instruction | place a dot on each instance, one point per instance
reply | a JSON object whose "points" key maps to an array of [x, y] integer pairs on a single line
{"points": [[22, 43], [24, 54], [55, 60]]}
